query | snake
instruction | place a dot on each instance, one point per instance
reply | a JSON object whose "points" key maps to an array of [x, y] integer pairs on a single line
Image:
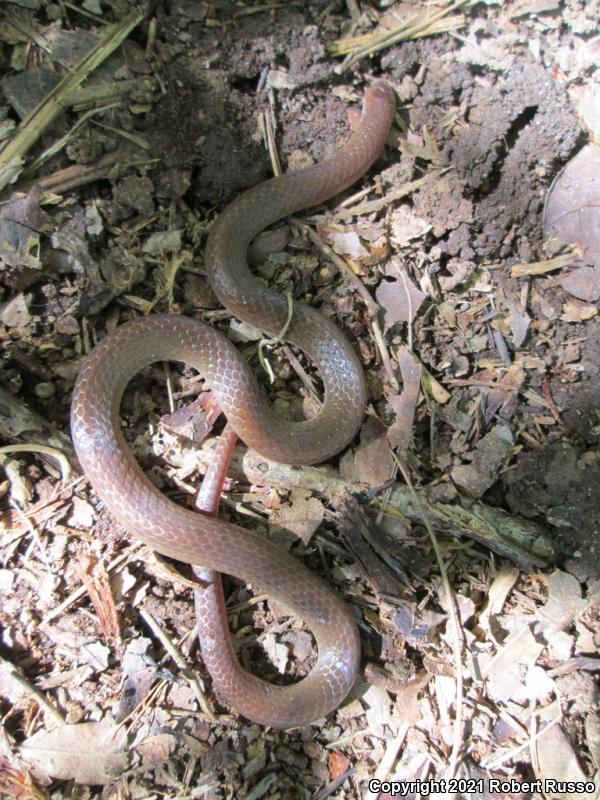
{"points": [[183, 534]]}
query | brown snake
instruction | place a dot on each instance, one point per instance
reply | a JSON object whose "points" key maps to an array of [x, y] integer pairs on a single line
{"points": [[196, 539]]}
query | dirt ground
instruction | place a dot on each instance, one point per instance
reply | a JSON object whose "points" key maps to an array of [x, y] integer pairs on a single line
{"points": [[501, 439]]}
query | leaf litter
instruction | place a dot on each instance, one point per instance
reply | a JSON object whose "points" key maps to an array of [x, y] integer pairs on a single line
{"points": [[480, 344]]}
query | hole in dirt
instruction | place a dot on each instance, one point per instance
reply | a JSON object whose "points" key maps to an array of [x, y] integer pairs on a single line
{"points": [[517, 125], [244, 84], [506, 144], [281, 60]]}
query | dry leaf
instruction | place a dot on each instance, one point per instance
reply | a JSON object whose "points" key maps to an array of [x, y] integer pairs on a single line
{"points": [[18, 783], [583, 283], [347, 243], [497, 594], [379, 710], [564, 604], [399, 433], [338, 764], [15, 312], [406, 225], [90, 752], [556, 760], [82, 515], [572, 212], [400, 298], [407, 699], [11, 689], [371, 463], [194, 420], [523, 8], [577, 311], [494, 53], [277, 652], [490, 455], [508, 669], [586, 100], [302, 515], [503, 399], [157, 749], [139, 673], [95, 654], [519, 321], [433, 388], [21, 222]]}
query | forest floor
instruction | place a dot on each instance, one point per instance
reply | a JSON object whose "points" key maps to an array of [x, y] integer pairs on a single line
{"points": [[464, 268]]}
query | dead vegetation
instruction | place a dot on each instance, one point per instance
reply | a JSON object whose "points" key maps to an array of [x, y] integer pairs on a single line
{"points": [[463, 525]]}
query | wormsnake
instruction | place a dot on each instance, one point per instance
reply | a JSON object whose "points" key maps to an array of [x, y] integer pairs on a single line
{"points": [[196, 539]]}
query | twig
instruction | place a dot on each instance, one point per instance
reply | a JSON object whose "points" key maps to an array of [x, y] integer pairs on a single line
{"points": [[550, 400], [457, 637], [39, 698], [63, 461], [63, 180], [277, 339], [522, 541], [301, 373], [415, 27], [333, 786], [29, 528], [46, 112], [269, 133], [389, 757], [543, 267], [497, 762], [390, 197], [362, 291], [329, 252], [178, 659], [75, 596]]}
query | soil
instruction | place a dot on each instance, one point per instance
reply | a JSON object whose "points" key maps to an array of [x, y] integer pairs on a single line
{"points": [[490, 105]]}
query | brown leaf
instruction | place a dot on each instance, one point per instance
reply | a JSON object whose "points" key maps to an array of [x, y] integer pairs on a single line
{"points": [[519, 321], [399, 433], [18, 783], [572, 212], [577, 311], [556, 759], [406, 225], [400, 298], [490, 455], [139, 673], [371, 463], [503, 399], [508, 669], [157, 749], [21, 222], [96, 581], [564, 602], [302, 515], [583, 283], [89, 753], [338, 764], [195, 420]]}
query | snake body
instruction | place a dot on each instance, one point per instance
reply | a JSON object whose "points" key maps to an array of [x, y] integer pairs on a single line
{"points": [[193, 538]]}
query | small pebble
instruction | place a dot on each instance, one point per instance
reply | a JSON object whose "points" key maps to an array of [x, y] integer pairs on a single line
{"points": [[45, 390]]}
